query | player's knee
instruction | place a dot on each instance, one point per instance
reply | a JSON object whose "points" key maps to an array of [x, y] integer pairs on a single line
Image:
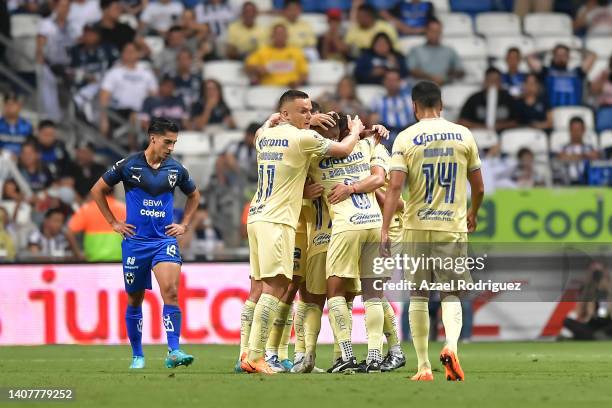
{"points": [[170, 293]]}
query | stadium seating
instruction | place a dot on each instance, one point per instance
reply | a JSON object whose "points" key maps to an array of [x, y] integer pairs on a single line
{"points": [[201, 168], [605, 139], [548, 42], [474, 70], [485, 138], [24, 30], [263, 97], [265, 20], [441, 6], [560, 138], [602, 46], [24, 25], [562, 116], [539, 24], [497, 46], [226, 72], [408, 43], [263, 6], [244, 118], [316, 91], [317, 21], [367, 94], [454, 96], [456, 24], [235, 96], [494, 24], [600, 65], [224, 138], [512, 140], [325, 72], [130, 20], [467, 47], [191, 143]]}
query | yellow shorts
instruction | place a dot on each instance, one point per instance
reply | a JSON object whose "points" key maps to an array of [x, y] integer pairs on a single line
{"points": [[300, 254], [396, 236], [316, 282], [271, 247], [351, 253], [441, 252]]}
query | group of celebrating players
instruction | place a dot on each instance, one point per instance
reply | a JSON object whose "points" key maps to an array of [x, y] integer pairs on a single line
{"points": [[315, 226]]}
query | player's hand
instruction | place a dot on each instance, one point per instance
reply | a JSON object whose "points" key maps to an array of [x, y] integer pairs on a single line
{"points": [[355, 125], [471, 221], [323, 120], [274, 119], [313, 190], [126, 230], [381, 132], [385, 245], [339, 193], [174, 230]]}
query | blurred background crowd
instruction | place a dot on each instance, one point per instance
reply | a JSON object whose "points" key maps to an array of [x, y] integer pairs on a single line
{"points": [[81, 79]]}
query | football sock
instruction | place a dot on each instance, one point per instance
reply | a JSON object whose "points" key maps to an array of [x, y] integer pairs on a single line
{"points": [[246, 320], [298, 323], [452, 320], [312, 326], [172, 325], [418, 313], [133, 324], [339, 319], [278, 325], [390, 328], [283, 347], [263, 317], [374, 318], [337, 353]]}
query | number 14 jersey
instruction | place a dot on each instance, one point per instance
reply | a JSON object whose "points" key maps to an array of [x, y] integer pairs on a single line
{"points": [[437, 155]]}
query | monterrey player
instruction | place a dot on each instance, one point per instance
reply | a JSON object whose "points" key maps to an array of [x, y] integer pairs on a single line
{"points": [[149, 236]]}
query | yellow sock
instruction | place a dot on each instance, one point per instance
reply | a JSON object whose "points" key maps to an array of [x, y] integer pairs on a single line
{"points": [[418, 311], [312, 326], [246, 320], [349, 305], [390, 327], [374, 319], [337, 353], [263, 317], [278, 325], [298, 323], [283, 347], [339, 319], [452, 319]]}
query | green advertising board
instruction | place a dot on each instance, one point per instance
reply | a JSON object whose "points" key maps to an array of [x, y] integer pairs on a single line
{"points": [[546, 215]]}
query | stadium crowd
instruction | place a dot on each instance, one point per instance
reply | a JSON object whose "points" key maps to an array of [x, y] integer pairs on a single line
{"points": [[532, 79]]}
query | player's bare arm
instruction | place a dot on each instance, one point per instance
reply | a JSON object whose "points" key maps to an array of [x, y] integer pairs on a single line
{"points": [[341, 192], [346, 146], [99, 192], [394, 191], [381, 197], [477, 187], [174, 230]]}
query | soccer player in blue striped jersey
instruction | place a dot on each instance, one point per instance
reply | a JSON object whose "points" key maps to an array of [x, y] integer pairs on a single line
{"points": [[149, 234]]}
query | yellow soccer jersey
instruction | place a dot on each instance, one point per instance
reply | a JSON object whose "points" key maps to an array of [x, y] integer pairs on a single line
{"points": [[382, 158], [319, 227], [359, 211], [283, 156], [437, 155]]}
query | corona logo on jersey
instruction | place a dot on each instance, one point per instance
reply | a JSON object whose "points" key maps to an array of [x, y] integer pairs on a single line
{"points": [[273, 143], [331, 161], [423, 138]]}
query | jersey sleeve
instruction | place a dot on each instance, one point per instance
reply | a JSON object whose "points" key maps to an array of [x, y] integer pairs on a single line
{"points": [[186, 184], [399, 154], [380, 158], [311, 142], [473, 156], [114, 175]]}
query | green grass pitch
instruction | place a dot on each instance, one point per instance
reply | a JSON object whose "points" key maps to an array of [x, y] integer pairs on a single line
{"points": [[517, 375]]}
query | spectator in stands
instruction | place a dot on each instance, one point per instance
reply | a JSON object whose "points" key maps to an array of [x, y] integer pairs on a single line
{"points": [[372, 64], [594, 17], [523, 7], [491, 108], [53, 152], [28, 6], [563, 85], [100, 242], [513, 78], [344, 100], [576, 153], [394, 109], [198, 36], [51, 241], [164, 105], [114, 32], [525, 174], [203, 238], [218, 14], [125, 87], [212, 109], [331, 44], [157, 17], [14, 130], [301, 33], [32, 169], [87, 171], [409, 17], [238, 164], [244, 35], [7, 240], [601, 88], [532, 108], [83, 12], [364, 26], [277, 64], [434, 61], [165, 61], [55, 37], [5, 28], [187, 79]]}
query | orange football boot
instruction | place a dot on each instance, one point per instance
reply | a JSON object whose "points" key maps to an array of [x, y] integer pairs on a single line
{"points": [[450, 361], [423, 375], [257, 366]]}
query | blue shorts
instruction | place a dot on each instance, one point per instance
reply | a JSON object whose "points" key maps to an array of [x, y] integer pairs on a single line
{"points": [[139, 258]]}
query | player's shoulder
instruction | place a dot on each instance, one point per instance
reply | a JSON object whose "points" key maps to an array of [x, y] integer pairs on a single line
{"points": [[127, 161]]}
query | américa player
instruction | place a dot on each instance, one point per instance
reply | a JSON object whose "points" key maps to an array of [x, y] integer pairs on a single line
{"points": [[149, 235]]}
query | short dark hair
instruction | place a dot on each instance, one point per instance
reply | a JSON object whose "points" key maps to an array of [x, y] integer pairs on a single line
{"points": [[433, 20], [289, 2], [52, 211], [11, 96], [160, 126], [513, 49], [368, 9], [46, 123], [492, 70], [576, 119], [291, 95], [561, 47], [523, 151], [427, 94], [252, 128], [104, 4], [316, 108]]}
